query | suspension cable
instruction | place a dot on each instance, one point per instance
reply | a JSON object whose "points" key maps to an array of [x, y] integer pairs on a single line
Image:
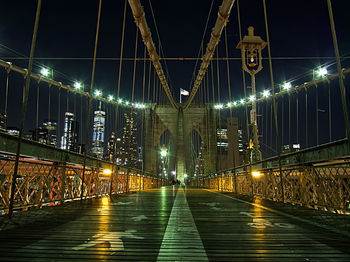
{"points": [[24, 107], [201, 49], [90, 97], [243, 74], [273, 98], [223, 15], [228, 71], [7, 91]]}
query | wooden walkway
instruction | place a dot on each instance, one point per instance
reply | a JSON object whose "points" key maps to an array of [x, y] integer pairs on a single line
{"points": [[166, 225]]}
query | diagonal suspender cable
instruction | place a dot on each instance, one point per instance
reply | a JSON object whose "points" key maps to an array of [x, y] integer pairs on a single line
{"points": [[221, 21], [141, 23]]}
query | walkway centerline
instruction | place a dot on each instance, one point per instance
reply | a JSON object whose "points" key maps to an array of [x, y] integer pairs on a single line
{"points": [[181, 234]]}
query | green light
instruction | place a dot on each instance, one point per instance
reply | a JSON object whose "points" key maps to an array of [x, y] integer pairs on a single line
{"points": [[45, 72], [322, 72], [110, 98], [163, 152], [287, 86], [235, 103], [219, 106], [252, 98], [266, 93], [77, 85], [242, 101], [98, 93], [120, 100]]}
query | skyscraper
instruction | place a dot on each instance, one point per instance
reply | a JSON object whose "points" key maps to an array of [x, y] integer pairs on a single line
{"points": [[51, 127], [110, 147], [129, 156], [98, 132], [69, 140]]}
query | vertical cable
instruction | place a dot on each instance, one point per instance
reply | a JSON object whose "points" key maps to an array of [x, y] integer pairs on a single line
{"points": [[243, 75], [339, 69], [317, 141], [37, 112], [306, 121], [329, 113], [273, 99], [59, 118], [24, 107], [7, 91], [219, 100], [90, 98], [49, 111], [149, 80], [228, 71], [81, 119], [289, 127], [297, 122]]}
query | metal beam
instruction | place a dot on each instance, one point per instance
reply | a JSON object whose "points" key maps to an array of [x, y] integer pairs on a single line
{"points": [[141, 23], [221, 21]]}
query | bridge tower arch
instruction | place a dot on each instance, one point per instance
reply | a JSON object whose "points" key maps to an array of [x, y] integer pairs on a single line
{"points": [[180, 124]]}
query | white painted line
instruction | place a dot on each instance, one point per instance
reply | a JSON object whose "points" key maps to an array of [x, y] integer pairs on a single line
{"points": [[334, 230], [181, 240]]}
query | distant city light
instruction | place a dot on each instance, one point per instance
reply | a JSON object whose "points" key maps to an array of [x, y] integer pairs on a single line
{"points": [[44, 71], [98, 93], [287, 86], [266, 93], [77, 85]]}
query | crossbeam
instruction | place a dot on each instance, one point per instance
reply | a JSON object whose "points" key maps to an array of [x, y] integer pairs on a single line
{"points": [[221, 21], [141, 23]]}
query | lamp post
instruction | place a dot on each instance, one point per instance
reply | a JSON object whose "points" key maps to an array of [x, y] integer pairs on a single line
{"points": [[251, 47], [163, 154]]}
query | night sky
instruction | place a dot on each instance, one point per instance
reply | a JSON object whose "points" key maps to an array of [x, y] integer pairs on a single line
{"points": [[67, 32]]}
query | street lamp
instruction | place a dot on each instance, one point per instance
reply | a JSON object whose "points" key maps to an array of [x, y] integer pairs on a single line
{"points": [[163, 152], [251, 47], [77, 85], [46, 72], [98, 93]]}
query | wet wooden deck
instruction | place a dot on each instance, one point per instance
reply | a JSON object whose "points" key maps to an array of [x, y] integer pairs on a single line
{"points": [[163, 225]]}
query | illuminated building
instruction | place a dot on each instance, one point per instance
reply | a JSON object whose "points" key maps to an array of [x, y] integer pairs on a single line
{"points": [[98, 132], [13, 131], [40, 135], [110, 147], [51, 127], [3, 121], [69, 140], [129, 143]]}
